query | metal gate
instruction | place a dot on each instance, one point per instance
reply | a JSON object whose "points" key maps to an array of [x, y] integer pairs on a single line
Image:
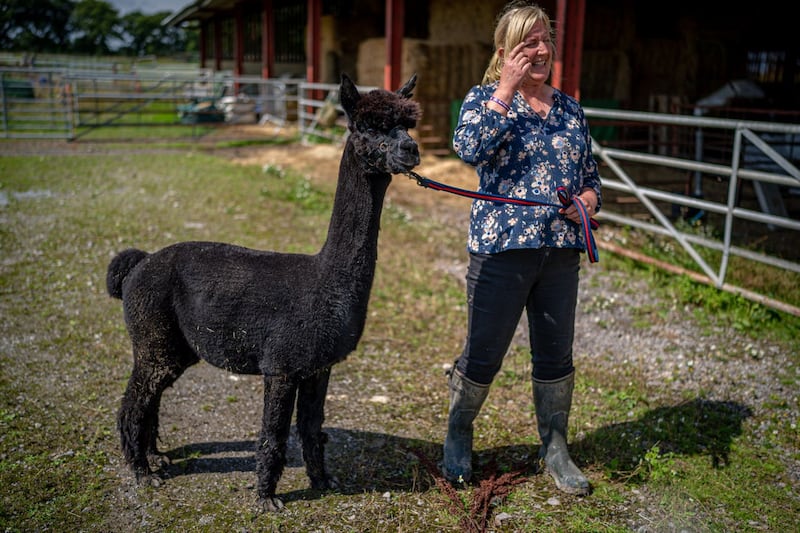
{"points": [[36, 104]]}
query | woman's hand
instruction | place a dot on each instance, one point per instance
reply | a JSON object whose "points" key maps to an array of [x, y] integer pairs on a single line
{"points": [[589, 199], [515, 69]]}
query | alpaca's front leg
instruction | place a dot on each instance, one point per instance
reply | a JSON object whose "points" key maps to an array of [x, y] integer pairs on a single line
{"points": [[310, 416], [279, 393]]}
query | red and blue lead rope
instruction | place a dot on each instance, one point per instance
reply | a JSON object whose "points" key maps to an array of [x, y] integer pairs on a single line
{"points": [[587, 223]]}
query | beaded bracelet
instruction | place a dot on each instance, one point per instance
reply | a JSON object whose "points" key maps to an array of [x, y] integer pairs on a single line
{"points": [[500, 103]]}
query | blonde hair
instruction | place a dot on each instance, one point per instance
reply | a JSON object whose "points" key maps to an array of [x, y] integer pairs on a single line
{"points": [[513, 23]]}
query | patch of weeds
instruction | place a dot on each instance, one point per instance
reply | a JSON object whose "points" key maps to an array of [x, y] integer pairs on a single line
{"points": [[188, 458], [600, 302], [276, 171], [622, 400], [243, 143], [657, 465], [313, 138], [741, 314], [643, 316], [73, 485], [296, 189], [509, 377], [397, 214]]}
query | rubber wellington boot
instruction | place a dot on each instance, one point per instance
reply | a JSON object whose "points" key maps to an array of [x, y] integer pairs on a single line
{"points": [[553, 400], [466, 398]]}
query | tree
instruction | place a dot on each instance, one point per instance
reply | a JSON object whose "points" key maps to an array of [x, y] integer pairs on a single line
{"points": [[96, 24], [88, 27], [145, 34], [41, 26]]}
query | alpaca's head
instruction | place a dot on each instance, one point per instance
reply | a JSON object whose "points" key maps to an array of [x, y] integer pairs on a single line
{"points": [[379, 122]]}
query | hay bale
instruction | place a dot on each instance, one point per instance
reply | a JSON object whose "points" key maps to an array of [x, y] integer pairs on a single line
{"points": [[445, 72]]}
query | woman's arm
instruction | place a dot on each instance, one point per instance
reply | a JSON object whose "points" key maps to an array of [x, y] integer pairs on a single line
{"points": [[481, 129]]}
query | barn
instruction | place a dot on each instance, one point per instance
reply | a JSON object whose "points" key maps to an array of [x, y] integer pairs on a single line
{"points": [[611, 53]]}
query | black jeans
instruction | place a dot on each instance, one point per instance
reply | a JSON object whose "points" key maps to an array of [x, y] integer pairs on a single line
{"points": [[542, 281]]}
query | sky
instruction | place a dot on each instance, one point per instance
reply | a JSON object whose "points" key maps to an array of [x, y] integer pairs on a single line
{"points": [[148, 7]]}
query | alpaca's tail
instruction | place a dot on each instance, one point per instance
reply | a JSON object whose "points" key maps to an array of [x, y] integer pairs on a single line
{"points": [[120, 267]]}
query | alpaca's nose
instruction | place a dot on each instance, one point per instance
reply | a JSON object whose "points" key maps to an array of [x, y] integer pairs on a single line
{"points": [[410, 147], [407, 143], [414, 149]]}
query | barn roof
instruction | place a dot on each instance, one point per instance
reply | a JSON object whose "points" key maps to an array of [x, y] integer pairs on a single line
{"points": [[198, 10]]}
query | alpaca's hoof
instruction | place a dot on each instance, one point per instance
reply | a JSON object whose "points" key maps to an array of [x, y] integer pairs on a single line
{"points": [[147, 479], [158, 461], [151, 480], [271, 504]]}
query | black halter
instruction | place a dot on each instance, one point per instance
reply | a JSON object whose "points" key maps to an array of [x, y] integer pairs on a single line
{"points": [[374, 154]]}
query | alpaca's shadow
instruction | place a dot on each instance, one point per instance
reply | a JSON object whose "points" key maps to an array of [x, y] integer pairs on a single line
{"points": [[366, 461], [359, 460]]}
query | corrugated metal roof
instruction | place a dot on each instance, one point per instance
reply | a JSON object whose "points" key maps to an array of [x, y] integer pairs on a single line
{"points": [[199, 10]]}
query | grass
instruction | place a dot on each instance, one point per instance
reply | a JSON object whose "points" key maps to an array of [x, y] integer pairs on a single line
{"points": [[689, 464], [772, 282]]}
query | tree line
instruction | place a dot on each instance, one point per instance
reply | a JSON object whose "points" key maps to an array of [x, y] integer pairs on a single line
{"points": [[88, 27]]}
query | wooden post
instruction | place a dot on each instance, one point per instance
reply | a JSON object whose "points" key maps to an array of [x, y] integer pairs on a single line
{"points": [[313, 40], [203, 37], [238, 45], [569, 22], [395, 22], [560, 22], [217, 44], [576, 14], [267, 39]]}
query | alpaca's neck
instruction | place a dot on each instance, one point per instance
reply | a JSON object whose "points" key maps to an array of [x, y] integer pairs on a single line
{"points": [[351, 245]]}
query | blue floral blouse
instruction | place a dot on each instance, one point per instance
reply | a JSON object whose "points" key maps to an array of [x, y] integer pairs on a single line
{"points": [[524, 156]]}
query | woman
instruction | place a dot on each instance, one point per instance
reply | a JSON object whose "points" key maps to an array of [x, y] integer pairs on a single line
{"points": [[525, 139]]}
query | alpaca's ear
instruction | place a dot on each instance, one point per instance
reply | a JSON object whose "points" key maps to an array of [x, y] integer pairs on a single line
{"points": [[406, 90], [348, 95]]}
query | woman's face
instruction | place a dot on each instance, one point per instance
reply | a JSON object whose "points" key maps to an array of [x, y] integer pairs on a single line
{"points": [[538, 48]]}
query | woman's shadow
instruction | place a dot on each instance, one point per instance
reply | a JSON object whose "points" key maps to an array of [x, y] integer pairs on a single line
{"points": [[369, 461], [696, 427]]}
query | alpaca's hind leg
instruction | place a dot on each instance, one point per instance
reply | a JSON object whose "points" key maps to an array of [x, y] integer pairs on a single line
{"points": [[279, 396], [155, 458], [134, 428], [137, 419], [310, 416]]}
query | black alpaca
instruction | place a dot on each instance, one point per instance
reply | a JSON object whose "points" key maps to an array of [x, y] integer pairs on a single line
{"points": [[288, 317]]}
